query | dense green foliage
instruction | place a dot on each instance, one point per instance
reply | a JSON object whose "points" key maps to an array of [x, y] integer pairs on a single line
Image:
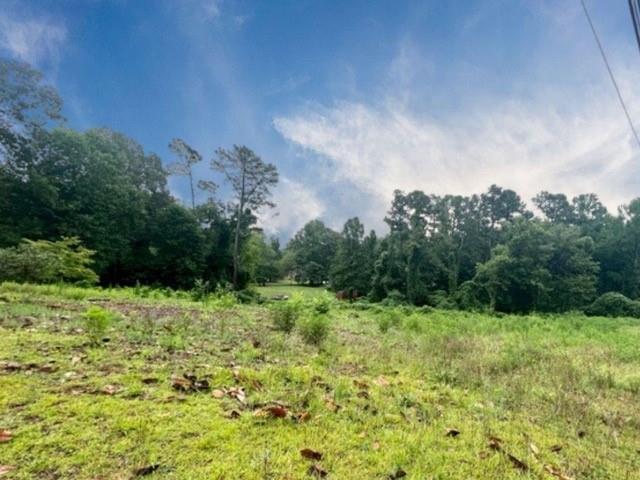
{"points": [[42, 261], [101, 187], [612, 304]]}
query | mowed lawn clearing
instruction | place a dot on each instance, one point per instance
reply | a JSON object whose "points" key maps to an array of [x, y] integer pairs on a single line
{"points": [[185, 390]]}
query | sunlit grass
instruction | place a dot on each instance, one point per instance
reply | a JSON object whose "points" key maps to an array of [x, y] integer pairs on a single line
{"points": [[561, 392]]}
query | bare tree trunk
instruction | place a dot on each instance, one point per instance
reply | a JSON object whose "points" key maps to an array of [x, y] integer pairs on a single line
{"points": [[193, 195]]}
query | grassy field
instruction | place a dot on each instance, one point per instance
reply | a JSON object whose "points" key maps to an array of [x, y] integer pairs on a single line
{"points": [[289, 289], [178, 389]]}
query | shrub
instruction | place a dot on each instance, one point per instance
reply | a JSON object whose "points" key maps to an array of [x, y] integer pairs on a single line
{"points": [[413, 323], [285, 315], [222, 299], [471, 296], [200, 290], [249, 295], [96, 322], [394, 298], [48, 262], [440, 299], [388, 319], [322, 304], [314, 329], [612, 304]]}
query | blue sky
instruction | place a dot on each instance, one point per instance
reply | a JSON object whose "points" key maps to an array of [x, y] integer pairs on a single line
{"points": [[352, 99]]}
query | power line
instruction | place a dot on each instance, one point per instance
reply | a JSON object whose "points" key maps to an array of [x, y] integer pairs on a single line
{"points": [[613, 80], [634, 6]]}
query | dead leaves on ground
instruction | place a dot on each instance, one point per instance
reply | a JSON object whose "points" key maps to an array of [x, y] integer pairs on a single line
{"points": [[189, 383], [452, 432], [495, 443], [5, 436], [29, 368], [4, 469], [317, 471], [311, 454], [148, 470]]}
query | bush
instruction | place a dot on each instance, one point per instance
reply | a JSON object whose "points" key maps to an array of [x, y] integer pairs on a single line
{"points": [[48, 262], [249, 295], [322, 304], [471, 296], [96, 322], [612, 304], [314, 329], [440, 299], [200, 290], [394, 298], [285, 315], [388, 319], [413, 324]]}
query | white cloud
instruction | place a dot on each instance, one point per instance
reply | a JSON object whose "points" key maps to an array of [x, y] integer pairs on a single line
{"points": [[296, 205], [33, 40], [560, 141], [211, 8]]}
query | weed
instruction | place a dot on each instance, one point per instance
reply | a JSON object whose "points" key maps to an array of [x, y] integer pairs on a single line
{"points": [[96, 323], [314, 328]]}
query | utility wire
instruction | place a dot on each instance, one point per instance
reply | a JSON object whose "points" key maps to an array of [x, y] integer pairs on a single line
{"points": [[634, 7], [613, 80]]}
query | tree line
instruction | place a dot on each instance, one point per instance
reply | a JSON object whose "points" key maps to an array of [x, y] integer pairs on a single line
{"points": [[99, 194], [101, 187]]}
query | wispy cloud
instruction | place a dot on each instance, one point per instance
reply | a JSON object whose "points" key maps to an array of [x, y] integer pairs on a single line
{"points": [[32, 39], [559, 142], [297, 204]]}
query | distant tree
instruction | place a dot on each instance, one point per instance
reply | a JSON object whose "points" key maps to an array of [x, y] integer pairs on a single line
{"points": [[352, 267], [555, 207], [260, 259], [540, 267], [251, 180], [188, 157], [313, 249]]}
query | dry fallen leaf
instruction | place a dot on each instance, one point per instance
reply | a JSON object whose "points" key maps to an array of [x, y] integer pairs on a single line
{"points": [[375, 446], [110, 389], [217, 393], [4, 469], [360, 384], [519, 464], [363, 394], [534, 449], [495, 443], [452, 432], [148, 470], [5, 436], [556, 472], [382, 382], [311, 454], [317, 471], [555, 448], [399, 473], [302, 416], [331, 405], [237, 393], [233, 414], [274, 411]]}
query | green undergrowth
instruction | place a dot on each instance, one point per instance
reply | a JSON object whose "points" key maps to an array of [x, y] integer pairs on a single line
{"points": [[178, 389]]}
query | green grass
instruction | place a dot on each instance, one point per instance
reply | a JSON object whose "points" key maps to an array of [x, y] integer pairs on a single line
{"points": [[561, 392], [288, 289]]}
